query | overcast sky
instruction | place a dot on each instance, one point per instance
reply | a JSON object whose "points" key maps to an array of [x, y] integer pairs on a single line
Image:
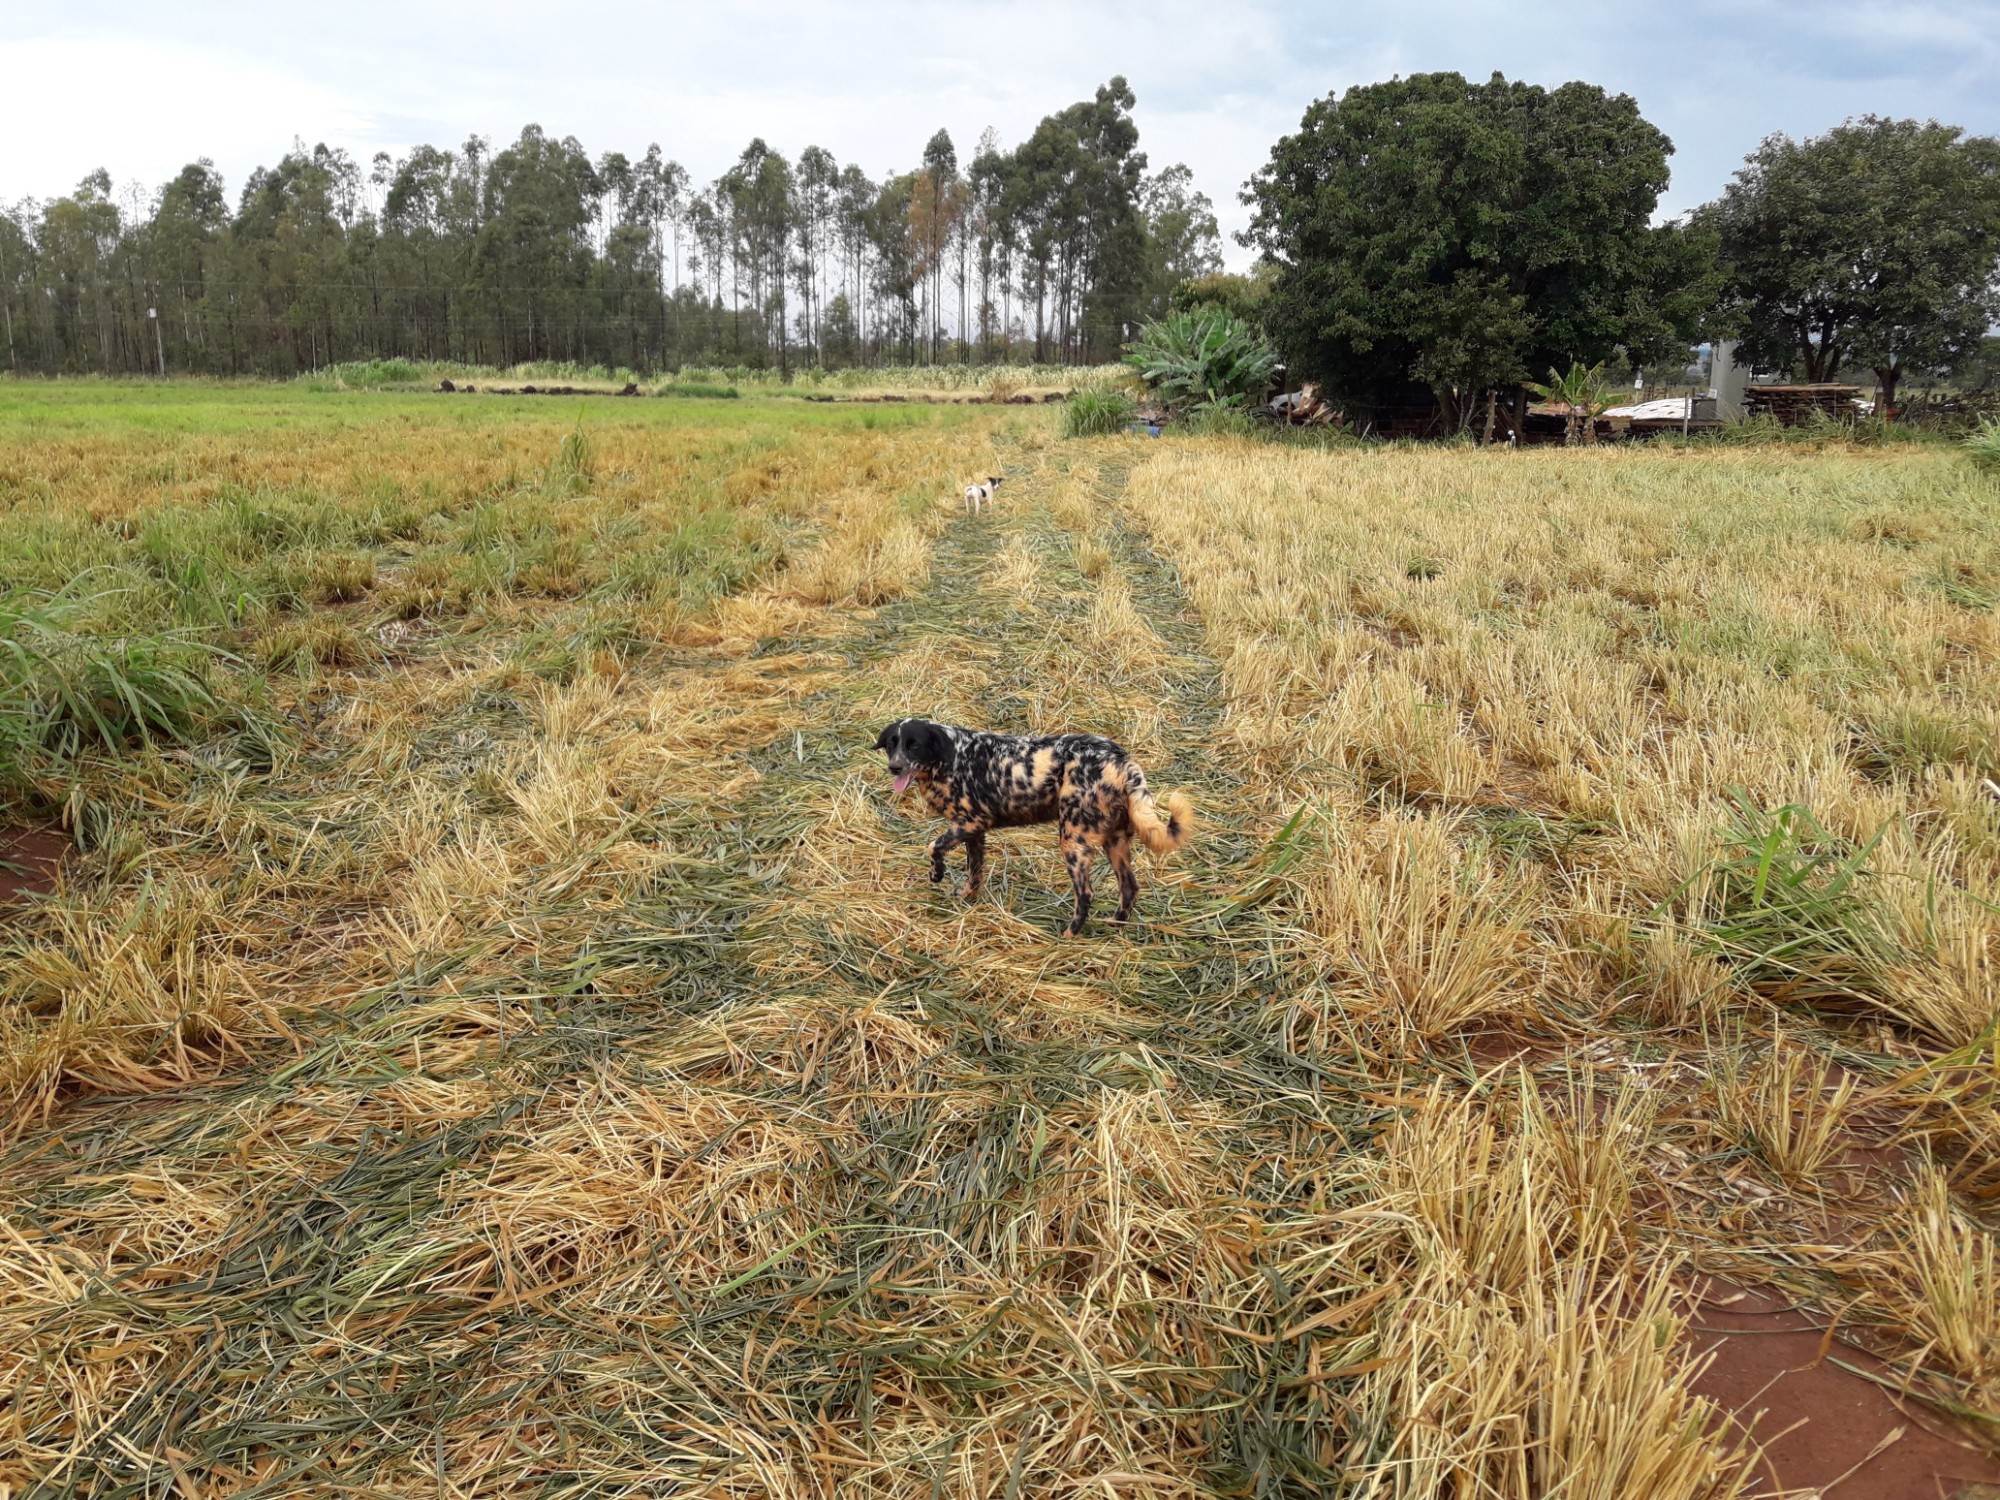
{"points": [[143, 88]]}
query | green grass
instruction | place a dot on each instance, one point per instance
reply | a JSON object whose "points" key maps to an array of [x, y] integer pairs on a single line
{"points": [[1093, 413], [698, 390], [1983, 446], [67, 689], [162, 547]]}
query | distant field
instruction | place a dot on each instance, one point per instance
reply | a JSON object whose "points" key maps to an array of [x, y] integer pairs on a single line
{"points": [[942, 382], [490, 1032]]}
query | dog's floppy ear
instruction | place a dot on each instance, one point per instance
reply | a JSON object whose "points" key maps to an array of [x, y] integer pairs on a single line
{"points": [[930, 744], [888, 733], [993, 479]]}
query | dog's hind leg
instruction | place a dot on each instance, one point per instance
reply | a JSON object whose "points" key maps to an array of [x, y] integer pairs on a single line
{"points": [[1076, 855], [942, 845], [975, 865], [1119, 852]]}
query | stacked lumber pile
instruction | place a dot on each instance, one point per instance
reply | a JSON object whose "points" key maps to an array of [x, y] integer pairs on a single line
{"points": [[1794, 405]]}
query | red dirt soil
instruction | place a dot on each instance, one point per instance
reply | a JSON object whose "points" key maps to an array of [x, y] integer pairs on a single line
{"points": [[1819, 1424], [28, 860]]}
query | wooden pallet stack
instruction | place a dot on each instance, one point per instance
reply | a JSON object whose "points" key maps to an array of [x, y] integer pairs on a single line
{"points": [[1794, 405]]}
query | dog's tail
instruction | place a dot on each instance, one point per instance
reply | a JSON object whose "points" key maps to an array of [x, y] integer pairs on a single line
{"points": [[1161, 835]]}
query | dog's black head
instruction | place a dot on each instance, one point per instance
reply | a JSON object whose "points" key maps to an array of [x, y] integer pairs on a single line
{"points": [[914, 745], [993, 481]]}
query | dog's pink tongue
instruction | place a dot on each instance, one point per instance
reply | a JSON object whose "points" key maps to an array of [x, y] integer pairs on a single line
{"points": [[903, 782]]}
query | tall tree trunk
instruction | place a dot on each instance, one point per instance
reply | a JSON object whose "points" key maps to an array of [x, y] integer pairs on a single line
{"points": [[1887, 377]]}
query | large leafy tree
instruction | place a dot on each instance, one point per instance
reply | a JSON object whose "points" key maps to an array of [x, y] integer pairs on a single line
{"points": [[1182, 240], [533, 250], [1876, 245], [1431, 233]]}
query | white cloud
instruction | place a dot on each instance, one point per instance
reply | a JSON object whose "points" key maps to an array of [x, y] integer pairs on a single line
{"points": [[143, 107]]}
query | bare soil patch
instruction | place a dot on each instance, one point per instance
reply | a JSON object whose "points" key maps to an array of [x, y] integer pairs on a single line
{"points": [[28, 859], [1780, 1372]]}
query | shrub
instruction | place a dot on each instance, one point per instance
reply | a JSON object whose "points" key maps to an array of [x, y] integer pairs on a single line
{"points": [[369, 374], [1090, 413], [1240, 296], [1204, 356]]}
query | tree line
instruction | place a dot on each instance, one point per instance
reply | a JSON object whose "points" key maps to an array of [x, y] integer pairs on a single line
{"points": [[1426, 242], [1052, 250]]}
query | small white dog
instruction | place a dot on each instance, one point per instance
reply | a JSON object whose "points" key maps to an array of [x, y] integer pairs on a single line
{"points": [[976, 495]]}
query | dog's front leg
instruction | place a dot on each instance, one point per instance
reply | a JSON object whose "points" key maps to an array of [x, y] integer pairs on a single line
{"points": [[975, 865], [942, 845]]}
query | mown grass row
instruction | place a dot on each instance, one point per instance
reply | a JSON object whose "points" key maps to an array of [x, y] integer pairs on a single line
{"points": [[1667, 766]]}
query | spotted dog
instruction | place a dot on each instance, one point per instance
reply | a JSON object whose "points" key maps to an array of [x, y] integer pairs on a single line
{"points": [[976, 495], [1093, 792]]}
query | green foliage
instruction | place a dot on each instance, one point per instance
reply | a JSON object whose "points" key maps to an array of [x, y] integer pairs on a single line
{"points": [[1871, 246], [1583, 392], [372, 374], [1978, 369], [66, 690], [571, 469], [1983, 446], [698, 390], [1183, 242], [1242, 297], [1219, 419], [1444, 235], [1091, 413], [1787, 907], [1205, 357]]}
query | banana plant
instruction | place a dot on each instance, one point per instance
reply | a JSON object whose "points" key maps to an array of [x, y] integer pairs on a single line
{"points": [[1203, 357], [1582, 393]]}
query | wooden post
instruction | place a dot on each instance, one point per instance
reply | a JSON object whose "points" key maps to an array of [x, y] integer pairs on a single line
{"points": [[159, 346]]}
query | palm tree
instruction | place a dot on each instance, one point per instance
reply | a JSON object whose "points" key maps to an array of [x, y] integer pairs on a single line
{"points": [[1582, 395]]}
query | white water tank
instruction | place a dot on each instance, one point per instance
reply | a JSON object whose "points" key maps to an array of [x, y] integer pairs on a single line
{"points": [[1727, 381]]}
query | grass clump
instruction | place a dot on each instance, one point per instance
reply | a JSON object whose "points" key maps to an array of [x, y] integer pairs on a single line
{"points": [[1095, 412], [570, 471], [65, 692], [1788, 905], [368, 375], [1982, 446], [1783, 1110]]}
